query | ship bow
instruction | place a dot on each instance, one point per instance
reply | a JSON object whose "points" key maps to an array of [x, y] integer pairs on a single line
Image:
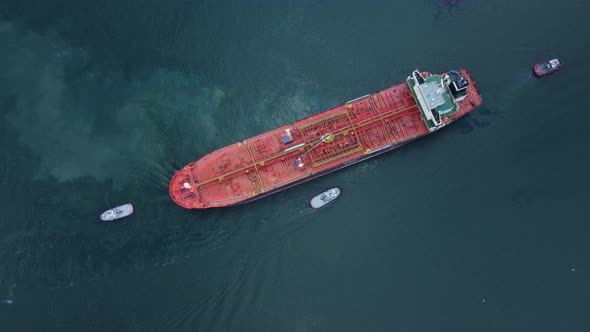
{"points": [[183, 190]]}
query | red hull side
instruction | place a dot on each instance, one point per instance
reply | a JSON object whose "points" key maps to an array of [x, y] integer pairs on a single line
{"points": [[264, 164], [537, 72]]}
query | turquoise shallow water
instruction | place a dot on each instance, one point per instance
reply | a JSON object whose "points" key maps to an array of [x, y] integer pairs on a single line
{"points": [[479, 227]]}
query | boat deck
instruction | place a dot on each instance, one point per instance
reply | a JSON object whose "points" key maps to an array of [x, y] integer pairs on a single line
{"points": [[264, 162]]}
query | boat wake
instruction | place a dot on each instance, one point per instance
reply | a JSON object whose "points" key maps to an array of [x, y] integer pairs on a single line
{"points": [[514, 86], [244, 274], [9, 299], [445, 8], [99, 124]]}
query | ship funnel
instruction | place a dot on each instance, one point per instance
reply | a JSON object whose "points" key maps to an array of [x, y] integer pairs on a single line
{"points": [[458, 84]]}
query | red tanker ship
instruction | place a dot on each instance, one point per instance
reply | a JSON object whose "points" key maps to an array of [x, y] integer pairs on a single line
{"points": [[360, 129]]}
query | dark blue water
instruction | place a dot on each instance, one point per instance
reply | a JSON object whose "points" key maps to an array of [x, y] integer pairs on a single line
{"points": [[482, 226]]}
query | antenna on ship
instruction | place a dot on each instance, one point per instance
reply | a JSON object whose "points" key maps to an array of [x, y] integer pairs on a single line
{"points": [[326, 138]]}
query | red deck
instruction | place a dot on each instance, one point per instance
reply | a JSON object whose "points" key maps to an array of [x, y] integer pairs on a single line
{"points": [[264, 164]]}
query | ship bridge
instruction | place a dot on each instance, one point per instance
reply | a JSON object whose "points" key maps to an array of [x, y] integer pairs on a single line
{"points": [[434, 98]]}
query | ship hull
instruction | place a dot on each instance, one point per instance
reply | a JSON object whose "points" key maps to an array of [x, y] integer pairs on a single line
{"points": [[307, 149], [542, 69], [119, 212]]}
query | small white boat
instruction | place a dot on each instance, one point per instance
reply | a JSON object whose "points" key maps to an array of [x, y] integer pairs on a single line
{"points": [[325, 198], [118, 212]]}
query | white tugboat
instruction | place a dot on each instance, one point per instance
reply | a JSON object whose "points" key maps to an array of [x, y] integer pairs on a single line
{"points": [[118, 212], [325, 198]]}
